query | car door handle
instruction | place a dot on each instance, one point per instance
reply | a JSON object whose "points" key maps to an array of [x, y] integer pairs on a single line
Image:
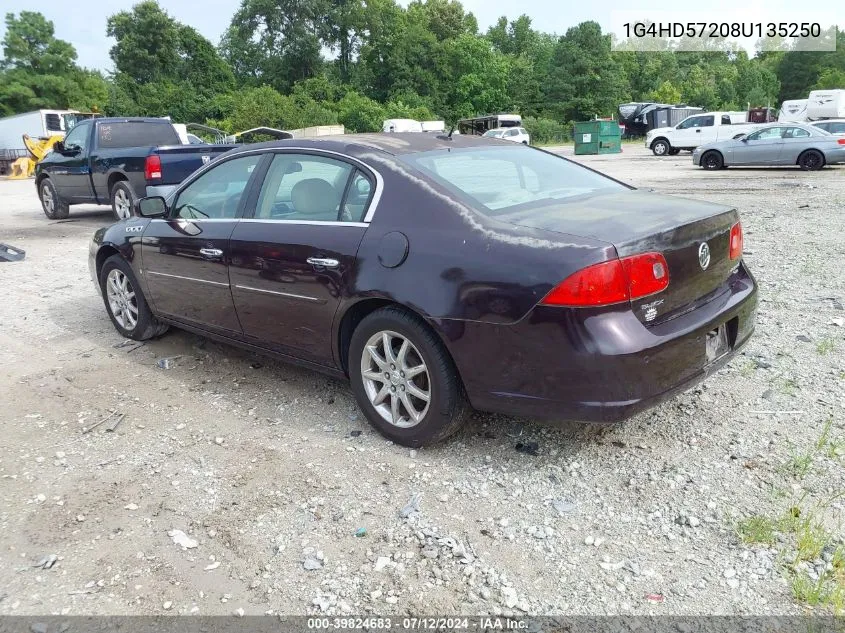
{"points": [[324, 262], [211, 253], [698, 131]]}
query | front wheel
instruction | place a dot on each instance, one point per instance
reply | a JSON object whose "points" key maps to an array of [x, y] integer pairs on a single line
{"points": [[660, 147], [811, 160], [712, 160], [404, 379], [122, 200], [125, 303], [54, 207]]}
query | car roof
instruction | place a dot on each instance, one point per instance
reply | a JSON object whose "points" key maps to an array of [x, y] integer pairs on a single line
{"points": [[393, 143]]}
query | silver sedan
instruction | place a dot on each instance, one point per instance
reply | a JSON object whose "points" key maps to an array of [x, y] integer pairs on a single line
{"points": [[778, 144]]}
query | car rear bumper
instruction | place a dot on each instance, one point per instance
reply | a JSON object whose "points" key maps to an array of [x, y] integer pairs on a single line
{"points": [[593, 365]]}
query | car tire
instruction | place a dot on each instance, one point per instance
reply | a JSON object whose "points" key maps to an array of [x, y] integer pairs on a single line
{"points": [[525, 142], [712, 160], [387, 392], [122, 200], [674, 151], [660, 147], [125, 302], [811, 160], [54, 207]]}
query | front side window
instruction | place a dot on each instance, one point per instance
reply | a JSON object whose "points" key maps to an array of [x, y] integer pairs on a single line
{"points": [[77, 138], [768, 133], [217, 193], [498, 180], [306, 187]]}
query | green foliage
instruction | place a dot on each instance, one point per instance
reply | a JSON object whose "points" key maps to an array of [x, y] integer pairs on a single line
{"points": [[667, 92], [426, 60], [547, 131]]}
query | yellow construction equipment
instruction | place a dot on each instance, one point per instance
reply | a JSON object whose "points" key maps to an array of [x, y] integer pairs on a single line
{"points": [[38, 149]]}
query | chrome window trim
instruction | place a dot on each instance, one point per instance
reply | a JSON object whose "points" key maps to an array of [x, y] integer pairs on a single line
{"points": [[277, 150], [281, 294], [265, 220], [202, 281], [305, 222]]}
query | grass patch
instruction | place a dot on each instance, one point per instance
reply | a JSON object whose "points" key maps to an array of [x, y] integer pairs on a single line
{"points": [[757, 529], [825, 346]]}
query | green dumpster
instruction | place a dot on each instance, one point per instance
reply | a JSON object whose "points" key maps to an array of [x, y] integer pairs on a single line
{"points": [[598, 137]]}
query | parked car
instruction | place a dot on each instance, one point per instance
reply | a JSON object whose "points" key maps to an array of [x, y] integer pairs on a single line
{"points": [[697, 130], [514, 134], [116, 161], [436, 273], [833, 126], [800, 144]]}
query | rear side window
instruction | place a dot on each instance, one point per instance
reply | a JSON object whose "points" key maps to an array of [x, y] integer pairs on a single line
{"points": [[497, 180], [136, 134]]}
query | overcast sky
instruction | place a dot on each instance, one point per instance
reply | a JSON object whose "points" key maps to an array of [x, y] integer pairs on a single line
{"points": [[84, 25]]}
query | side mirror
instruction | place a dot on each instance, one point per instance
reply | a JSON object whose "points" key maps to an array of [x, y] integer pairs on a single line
{"points": [[59, 146], [152, 207]]}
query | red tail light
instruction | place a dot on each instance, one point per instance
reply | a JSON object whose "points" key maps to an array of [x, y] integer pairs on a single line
{"points": [[841, 141], [152, 167], [735, 249], [615, 281]]}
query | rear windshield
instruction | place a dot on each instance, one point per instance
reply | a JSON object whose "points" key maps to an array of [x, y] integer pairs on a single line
{"points": [[501, 179], [136, 134]]}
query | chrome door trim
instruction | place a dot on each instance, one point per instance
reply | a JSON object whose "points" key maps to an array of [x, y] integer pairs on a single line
{"points": [[325, 262], [202, 281], [290, 295]]}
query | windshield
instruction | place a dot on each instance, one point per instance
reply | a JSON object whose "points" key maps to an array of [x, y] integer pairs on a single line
{"points": [[498, 180], [494, 133]]}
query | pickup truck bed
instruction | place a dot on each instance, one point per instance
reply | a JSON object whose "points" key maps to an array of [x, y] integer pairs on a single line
{"points": [[116, 162]]}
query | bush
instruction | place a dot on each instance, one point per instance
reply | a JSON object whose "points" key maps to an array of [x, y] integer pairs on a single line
{"points": [[547, 131]]}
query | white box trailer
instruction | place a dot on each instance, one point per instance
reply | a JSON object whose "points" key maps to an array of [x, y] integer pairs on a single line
{"points": [[793, 110], [37, 124], [826, 104]]}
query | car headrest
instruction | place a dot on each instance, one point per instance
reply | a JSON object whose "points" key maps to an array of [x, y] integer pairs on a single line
{"points": [[314, 196]]}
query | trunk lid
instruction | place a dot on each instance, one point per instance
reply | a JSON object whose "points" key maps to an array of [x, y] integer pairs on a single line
{"points": [[639, 222]]}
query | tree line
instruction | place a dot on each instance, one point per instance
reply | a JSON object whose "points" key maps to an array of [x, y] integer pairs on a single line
{"points": [[297, 63]]}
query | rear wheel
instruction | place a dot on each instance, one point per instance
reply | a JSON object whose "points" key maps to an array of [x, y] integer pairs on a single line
{"points": [[660, 147], [122, 200], [811, 160], [54, 207], [404, 380], [125, 303], [712, 160]]}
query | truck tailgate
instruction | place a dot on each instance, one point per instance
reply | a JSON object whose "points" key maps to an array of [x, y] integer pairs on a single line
{"points": [[180, 161]]}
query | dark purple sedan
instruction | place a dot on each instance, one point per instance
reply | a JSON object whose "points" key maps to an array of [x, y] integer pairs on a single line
{"points": [[439, 274]]}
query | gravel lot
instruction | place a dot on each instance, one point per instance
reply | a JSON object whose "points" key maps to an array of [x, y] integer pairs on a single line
{"points": [[269, 470]]}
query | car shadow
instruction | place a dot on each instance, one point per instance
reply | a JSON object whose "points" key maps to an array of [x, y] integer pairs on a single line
{"points": [[200, 361]]}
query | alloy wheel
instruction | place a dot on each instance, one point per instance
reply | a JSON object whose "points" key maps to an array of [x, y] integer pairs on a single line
{"points": [[122, 204], [47, 198], [396, 379], [122, 300]]}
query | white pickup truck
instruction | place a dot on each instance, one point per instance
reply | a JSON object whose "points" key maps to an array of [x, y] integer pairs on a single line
{"points": [[696, 130]]}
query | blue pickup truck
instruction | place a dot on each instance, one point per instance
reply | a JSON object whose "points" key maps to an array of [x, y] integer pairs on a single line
{"points": [[116, 161]]}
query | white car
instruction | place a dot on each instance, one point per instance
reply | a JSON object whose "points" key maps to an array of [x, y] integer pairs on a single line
{"points": [[515, 134], [834, 126]]}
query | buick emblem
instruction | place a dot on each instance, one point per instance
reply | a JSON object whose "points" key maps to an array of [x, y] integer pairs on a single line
{"points": [[205, 159], [704, 255]]}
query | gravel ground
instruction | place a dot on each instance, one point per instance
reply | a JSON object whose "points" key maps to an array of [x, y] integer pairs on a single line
{"points": [[235, 484]]}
